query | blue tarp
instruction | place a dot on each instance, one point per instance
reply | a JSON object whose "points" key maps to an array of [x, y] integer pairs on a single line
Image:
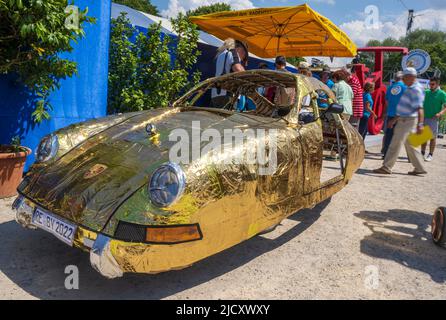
{"points": [[80, 98]]}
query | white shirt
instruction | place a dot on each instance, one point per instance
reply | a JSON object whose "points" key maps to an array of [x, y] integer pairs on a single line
{"points": [[224, 68]]}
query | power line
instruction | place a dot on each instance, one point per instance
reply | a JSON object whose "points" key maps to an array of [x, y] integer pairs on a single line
{"points": [[404, 5]]}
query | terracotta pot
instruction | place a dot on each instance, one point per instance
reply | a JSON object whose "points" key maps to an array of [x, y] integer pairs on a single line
{"points": [[11, 170]]}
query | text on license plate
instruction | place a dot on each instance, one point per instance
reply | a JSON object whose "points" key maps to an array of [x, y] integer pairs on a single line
{"points": [[62, 230]]}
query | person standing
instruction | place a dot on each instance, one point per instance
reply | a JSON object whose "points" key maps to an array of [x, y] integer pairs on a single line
{"points": [[368, 109], [322, 100], [325, 78], [283, 96], [232, 57], [280, 65], [343, 93], [358, 99], [410, 114], [434, 109], [393, 97], [304, 67], [263, 66]]}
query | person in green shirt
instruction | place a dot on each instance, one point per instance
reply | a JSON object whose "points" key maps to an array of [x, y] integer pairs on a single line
{"points": [[344, 93], [434, 109]]}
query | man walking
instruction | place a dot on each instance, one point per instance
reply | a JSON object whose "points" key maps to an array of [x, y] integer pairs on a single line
{"points": [[393, 97], [434, 109], [410, 114]]}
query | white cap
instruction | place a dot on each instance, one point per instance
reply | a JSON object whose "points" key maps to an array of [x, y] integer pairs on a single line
{"points": [[304, 65], [410, 72]]}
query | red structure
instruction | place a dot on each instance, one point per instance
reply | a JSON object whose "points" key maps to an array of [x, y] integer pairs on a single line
{"points": [[376, 77]]}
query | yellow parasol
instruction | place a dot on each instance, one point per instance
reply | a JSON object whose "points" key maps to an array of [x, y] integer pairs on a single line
{"points": [[289, 31]]}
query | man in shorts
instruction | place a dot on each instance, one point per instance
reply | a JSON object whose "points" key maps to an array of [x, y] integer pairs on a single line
{"points": [[434, 108]]}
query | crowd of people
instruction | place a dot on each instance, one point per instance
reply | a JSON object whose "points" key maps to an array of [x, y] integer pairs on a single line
{"points": [[409, 107]]}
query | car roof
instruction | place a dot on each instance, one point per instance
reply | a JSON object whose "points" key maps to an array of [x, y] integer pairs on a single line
{"points": [[254, 78], [258, 78]]}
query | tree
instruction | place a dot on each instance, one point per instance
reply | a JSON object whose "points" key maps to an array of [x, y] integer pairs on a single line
{"points": [[433, 42], [32, 35], [154, 68], [295, 60], [213, 8], [140, 5]]}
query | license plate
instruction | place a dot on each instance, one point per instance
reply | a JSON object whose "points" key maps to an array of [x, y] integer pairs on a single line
{"points": [[62, 230]]}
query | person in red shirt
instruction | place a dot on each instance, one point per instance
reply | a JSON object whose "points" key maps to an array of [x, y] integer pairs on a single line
{"points": [[358, 98]]}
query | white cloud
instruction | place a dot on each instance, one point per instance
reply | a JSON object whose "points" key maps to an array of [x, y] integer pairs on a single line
{"points": [[331, 2], [177, 6], [360, 33]]}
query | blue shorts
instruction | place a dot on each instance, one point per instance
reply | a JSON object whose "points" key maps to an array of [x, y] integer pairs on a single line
{"points": [[433, 123]]}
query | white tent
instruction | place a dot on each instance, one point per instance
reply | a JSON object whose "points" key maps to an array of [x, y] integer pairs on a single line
{"points": [[144, 20]]}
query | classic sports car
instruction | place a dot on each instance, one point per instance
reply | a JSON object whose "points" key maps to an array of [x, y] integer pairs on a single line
{"points": [[107, 186]]}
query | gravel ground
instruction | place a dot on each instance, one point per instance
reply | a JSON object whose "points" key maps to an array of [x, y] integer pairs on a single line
{"points": [[372, 241]]}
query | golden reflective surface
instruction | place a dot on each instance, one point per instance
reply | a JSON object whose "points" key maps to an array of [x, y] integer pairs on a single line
{"points": [[101, 174]]}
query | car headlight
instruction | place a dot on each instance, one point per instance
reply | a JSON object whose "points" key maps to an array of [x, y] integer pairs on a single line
{"points": [[167, 185], [48, 148]]}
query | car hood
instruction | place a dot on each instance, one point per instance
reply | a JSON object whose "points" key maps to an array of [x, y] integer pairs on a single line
{"points": [[89, 183]]}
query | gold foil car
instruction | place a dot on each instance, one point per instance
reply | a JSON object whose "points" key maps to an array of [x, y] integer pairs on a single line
{"points": [[110, 187]]}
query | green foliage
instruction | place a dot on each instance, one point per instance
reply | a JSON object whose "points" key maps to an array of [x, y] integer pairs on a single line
{"points": [[213, 8], [442, 126], [140, 5], [433, 42], [295, 61], [32, 34], [142, 73], [16, 145]]}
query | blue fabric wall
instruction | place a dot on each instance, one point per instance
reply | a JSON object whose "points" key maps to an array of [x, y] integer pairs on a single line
{"points": [[80, 98]]}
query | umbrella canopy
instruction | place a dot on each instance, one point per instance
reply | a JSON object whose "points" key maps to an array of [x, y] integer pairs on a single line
{"points": [[289, 31]]}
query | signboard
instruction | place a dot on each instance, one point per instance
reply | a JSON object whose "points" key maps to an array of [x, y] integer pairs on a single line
{"points": [[424, 83], [418, 59]]}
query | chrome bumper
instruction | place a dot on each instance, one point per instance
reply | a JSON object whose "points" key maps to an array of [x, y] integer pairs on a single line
{"points": [[23, 213], [101, 258]]}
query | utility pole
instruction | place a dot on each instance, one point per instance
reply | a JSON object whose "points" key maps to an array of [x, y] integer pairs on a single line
{"points": [[410, 22]]}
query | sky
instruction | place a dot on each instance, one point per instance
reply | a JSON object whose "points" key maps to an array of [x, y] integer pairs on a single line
{"points": [[360, 21]]}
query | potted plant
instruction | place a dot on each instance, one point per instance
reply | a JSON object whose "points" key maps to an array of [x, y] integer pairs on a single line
{"points": [[12, 162]]}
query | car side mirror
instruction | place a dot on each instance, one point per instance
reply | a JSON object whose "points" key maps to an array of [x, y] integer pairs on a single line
{"points": [[335, 108]]}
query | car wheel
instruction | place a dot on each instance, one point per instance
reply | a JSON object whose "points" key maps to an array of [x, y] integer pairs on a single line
{"points": [[439, 227]]}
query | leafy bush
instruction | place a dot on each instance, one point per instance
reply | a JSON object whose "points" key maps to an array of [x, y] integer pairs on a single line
{"points": [[32, 34], [140, 5], [142, 73], [213, 8]]}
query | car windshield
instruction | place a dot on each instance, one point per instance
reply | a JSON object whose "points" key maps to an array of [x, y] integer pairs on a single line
{"points": [[259, 92]]}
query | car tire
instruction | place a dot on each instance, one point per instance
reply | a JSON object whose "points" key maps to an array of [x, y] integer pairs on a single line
{"points": [[439, 227]]}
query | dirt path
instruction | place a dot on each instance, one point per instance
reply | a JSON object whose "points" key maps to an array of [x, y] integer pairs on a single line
{"points": [[371, 241]]}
